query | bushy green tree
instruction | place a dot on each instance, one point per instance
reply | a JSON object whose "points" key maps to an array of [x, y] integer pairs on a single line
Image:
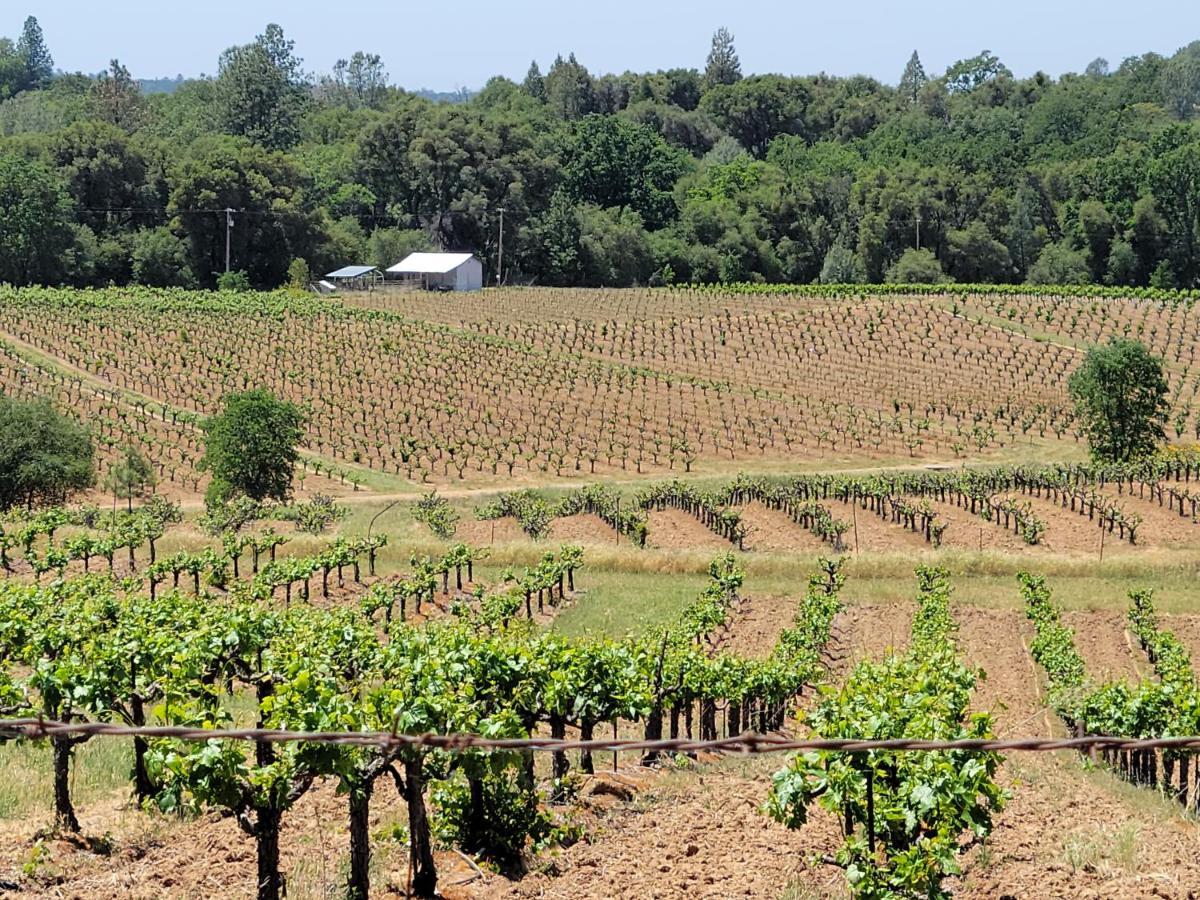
{"points": [[233, 280], [251, 446], [1180, 82], [44, 456], [298, 274], [842, 266], [118, 98], [271, 225], [1059, 264], [615, 163], [913, 79], [1120, 396], [758, 109], [160, 259], [975, 256], [35, 223], [570, 91], [916, 267], [388, 246]]}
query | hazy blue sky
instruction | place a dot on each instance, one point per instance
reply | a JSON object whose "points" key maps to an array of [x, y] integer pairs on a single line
{"points": [[449, 45]]}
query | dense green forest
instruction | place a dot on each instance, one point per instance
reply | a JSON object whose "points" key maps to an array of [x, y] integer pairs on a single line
{"points": [[684, 175]]}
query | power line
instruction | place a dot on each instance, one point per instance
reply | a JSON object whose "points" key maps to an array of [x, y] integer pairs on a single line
{"points": [[749, 742]]}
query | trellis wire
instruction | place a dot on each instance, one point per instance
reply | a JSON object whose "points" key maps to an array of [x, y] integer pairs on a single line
{"points": [[749, 742]]}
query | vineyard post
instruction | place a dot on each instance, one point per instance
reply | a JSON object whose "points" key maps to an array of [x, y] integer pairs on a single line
{"points": [[854, 517], [615, 752], [1101, 541]]}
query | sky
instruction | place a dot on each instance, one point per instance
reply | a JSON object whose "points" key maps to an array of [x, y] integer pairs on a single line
{"points": [[446, 46]]}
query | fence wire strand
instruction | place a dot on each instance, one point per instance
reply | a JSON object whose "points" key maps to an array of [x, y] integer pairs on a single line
{"points": [[748, 742]]}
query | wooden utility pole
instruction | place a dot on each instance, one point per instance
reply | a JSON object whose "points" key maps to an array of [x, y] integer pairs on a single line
{"points": [[228, 234], [500, 255]]}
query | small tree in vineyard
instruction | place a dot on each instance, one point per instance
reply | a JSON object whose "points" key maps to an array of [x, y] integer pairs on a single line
{"points": [[251, 447], [44, 456], [1120, 395], [130, 476]]}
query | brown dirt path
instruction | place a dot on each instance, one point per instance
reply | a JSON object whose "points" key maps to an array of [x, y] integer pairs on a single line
{"points": [[874, 534], [585, 528], [756, 624], [1106, 646], [868, 631], [1066, 832], [970, 532], [479, 533], [1069, 532], [673, 529], [689, 835], [772, 530]]}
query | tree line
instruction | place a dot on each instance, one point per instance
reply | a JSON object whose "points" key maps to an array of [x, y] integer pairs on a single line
{"points": [[683, 175]]}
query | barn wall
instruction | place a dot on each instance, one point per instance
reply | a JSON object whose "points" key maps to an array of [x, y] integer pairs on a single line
{"points": [[469, 276]]}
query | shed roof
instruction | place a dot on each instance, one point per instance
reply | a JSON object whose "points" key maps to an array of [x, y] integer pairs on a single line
{"points": [[351, 272], [430, 263]]}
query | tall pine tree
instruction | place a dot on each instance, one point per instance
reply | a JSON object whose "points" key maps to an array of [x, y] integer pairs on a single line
{"points": [[723, 66], [913, 79], [534, 84], [39, 64]]}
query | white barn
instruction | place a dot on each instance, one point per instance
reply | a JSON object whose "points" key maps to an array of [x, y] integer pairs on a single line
{"points": [[441, 271]]}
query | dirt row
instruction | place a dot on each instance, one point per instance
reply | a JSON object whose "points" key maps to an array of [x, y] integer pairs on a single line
{"points": [[1066, 832], [772, 531]]}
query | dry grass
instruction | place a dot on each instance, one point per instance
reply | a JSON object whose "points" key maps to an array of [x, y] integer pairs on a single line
{"points": [[1103, 849]]}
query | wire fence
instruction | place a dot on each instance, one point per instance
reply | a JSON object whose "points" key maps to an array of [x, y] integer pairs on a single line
{"points": [[749, 742]]}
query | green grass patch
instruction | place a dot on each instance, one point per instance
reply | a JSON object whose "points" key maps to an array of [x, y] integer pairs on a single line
{"points": [[100, 767], [614, 604]]}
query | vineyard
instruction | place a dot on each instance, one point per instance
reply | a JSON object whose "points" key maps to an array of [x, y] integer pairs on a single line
{"points": [[101, 626], [552, 383], [564, 569], [1010, 507]]}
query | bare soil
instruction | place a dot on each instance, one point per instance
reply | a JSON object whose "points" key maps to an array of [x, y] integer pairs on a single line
{"points": [[872, 534], [673, 529], [1161, 527], [1060, 815], [151, 857], [585, 528], [480, 533], [1107, 648], [1069, 532], [971, 532], [756, 624], [773, 530]]}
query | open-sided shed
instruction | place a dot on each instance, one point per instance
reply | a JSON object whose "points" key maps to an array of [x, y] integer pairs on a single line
{"points": [[355, 278], [441, 271]]}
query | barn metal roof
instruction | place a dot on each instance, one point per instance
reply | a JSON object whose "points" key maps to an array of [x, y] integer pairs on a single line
{"points": [[430, 263], [351, 272]]}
